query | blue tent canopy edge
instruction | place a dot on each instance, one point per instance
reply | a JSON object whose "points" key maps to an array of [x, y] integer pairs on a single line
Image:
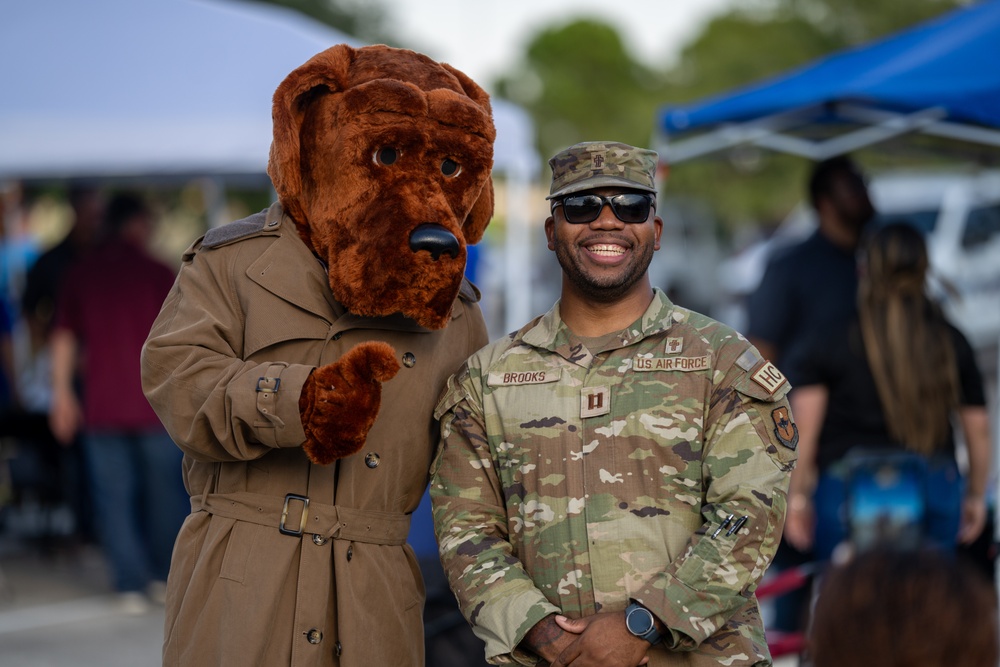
{"points": [[939, 77]]}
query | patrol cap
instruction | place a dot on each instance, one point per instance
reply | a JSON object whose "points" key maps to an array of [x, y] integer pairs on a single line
{"points": [[597, 164]]}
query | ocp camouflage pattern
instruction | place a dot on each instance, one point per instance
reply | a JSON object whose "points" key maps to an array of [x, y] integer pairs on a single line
{"points": [[539, 509], [595, 163]]}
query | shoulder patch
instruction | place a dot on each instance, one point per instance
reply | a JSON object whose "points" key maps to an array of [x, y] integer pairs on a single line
{"points": [[769, 377], [235, 231], [764, 382]]}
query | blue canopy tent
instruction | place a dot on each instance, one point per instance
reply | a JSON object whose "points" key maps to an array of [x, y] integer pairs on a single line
{"points": [[940, 78]]}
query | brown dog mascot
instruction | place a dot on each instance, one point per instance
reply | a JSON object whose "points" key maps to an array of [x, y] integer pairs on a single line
{"points": [[297, 360]]}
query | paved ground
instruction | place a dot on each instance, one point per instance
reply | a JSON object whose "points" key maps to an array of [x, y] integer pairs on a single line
{"points": [[57, 610]]}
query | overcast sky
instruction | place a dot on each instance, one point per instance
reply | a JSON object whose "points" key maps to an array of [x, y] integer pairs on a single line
{"points": [[482, 38]]}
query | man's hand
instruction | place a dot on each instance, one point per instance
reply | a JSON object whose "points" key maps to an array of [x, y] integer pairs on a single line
{"points": [[602, 640], [546, 639]]}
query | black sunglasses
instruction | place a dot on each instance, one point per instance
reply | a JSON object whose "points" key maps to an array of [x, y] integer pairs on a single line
{"points": [[627, 207]]}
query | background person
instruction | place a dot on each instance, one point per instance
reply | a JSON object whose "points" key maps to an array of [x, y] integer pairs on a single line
{"points": [[813, 285], [611, 481], [106, 307], [902, 608], [806, 289], [893, 376]]}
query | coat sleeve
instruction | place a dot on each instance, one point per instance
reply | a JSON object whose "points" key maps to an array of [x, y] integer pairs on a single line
{"points": [[215, 405], [495, 593], [750, 450]]}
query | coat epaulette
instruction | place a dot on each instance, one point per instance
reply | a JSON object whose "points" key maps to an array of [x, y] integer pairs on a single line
{"points": [[235, 231], [469, 292]]}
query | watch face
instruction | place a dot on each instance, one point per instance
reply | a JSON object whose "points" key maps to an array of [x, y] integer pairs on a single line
{"points": [[639, 621]]}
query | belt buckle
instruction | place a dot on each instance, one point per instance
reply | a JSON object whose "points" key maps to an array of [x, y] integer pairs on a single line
{"points": [[284, 515], [277, 384]]}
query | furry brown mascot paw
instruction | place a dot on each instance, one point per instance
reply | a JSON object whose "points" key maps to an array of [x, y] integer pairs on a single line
{"points": [[339, 401]]}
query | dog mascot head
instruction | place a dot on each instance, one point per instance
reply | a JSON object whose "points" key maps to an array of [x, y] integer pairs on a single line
{"points": [[382, 157]]}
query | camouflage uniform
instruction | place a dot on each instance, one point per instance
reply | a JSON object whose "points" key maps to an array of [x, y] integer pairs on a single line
{"points": [[570, 482]]}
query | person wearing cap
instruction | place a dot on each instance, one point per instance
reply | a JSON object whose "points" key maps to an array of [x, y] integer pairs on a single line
{"points": [[611, 482]]}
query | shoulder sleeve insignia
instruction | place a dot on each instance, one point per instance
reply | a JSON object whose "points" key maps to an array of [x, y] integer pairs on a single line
{"points": [[769, 377], [784, 428]]}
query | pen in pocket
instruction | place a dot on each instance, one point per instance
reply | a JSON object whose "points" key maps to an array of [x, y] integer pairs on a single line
{"points": [[736, 526], [721, 526]]}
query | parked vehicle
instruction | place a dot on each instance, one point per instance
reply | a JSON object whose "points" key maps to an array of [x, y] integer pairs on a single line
{"points": [[960, 214]]}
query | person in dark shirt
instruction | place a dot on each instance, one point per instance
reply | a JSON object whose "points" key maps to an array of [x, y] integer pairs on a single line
{"points": [[810, 286]]}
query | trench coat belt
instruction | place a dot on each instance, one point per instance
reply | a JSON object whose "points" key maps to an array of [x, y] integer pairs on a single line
{"points": [[330, 521]]}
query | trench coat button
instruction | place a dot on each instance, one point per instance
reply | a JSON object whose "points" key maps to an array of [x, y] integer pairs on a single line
{"points": [[372, 460], [314, 636], [409, 359], [337, 335], [350, 552], [338, 649], [319, 540]]}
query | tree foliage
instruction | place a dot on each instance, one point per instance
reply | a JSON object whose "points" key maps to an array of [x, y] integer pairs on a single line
{"points": [[579, 82]]}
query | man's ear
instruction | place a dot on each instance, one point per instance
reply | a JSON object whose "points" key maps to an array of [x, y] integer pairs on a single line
{"points": [[328, 70], [550, 232]]}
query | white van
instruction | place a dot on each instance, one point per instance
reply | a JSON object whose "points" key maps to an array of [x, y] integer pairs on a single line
{"points": [[959, 212]]}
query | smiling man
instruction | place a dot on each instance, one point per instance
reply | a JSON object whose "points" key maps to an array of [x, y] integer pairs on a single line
{"points": [[612, 477]]}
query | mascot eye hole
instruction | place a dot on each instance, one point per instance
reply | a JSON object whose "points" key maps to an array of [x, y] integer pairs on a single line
{"points": [[386, 156], [450, 168]]}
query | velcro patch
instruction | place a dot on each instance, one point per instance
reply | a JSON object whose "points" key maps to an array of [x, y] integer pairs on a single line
{"points": [[784, 429], [769, 377], [685, 364], [522, 377]]}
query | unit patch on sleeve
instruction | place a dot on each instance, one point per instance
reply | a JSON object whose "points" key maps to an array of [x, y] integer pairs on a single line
{"points": [[784, 429], [769, 377]]}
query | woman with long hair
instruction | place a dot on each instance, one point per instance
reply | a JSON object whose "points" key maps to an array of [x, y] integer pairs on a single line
{"points": [[893, 378]]}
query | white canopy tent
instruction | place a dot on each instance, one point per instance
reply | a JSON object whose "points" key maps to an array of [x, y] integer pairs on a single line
{"points": [[182, 88]]}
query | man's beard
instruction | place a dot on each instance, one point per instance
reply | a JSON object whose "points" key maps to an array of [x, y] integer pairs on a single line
{"points": [[603, 289]]}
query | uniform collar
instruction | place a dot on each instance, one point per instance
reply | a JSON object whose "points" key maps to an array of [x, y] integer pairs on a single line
{"points": [[550, 332]]}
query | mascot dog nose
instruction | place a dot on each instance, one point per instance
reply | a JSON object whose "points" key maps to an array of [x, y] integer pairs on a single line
{"points": [[435, 239]]}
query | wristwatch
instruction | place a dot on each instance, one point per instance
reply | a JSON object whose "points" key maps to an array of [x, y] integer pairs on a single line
{"points": [[640, 623]]}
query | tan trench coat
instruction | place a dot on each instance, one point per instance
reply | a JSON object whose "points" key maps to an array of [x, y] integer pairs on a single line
{"points": [[223, 366]]}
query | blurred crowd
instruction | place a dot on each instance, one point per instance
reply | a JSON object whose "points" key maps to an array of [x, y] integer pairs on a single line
{"points": [[81, 445]]}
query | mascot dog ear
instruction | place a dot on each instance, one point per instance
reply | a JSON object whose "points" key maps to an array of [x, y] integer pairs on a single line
{"points": [[331, 70], [482, 211]]}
